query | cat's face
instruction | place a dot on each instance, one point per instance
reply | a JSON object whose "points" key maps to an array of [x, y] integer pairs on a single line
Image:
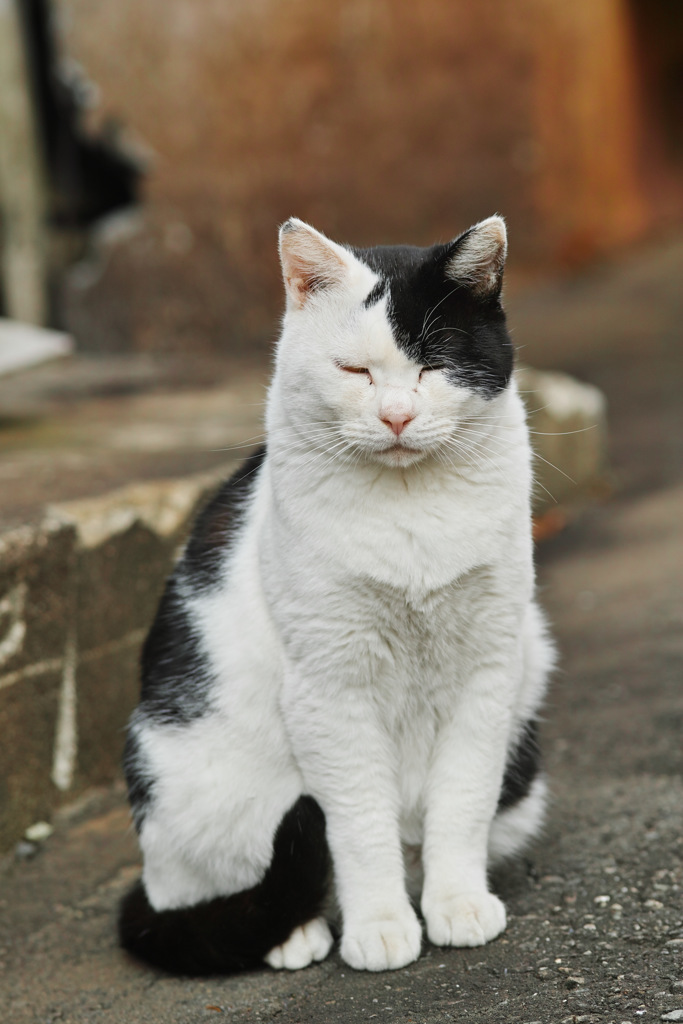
{"points": [[387, 352]]}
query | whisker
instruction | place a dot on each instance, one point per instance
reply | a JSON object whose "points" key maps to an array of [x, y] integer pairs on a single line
{"points": [[434, 308], [553, 466]]}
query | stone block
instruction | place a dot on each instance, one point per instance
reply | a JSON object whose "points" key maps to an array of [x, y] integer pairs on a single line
{"points": [[568, 425], [36, 567], [36, 604], [126, 542], [108, 688], [77, 595], [28, 719]]}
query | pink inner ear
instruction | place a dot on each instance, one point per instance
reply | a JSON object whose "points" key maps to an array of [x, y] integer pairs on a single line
{"points": [[310, 263]]}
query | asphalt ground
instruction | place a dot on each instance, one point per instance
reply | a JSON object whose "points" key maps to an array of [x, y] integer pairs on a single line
{"points": [[595, 929]]}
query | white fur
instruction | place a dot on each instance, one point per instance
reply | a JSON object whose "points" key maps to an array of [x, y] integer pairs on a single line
{"points": [[376, 644], [513, 828], [312, 941]]}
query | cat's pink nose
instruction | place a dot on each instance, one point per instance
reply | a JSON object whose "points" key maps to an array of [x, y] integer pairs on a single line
{"points": [[398, 421]]}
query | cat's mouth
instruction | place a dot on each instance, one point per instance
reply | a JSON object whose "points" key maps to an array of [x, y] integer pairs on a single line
{"points": [[401, 454], [404, 449]]}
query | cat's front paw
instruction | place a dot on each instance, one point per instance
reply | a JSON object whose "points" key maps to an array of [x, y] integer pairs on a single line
{"points": [[466, 919], [382, 945], [312, 941]]}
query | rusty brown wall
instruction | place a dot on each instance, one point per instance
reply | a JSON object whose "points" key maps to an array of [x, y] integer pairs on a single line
{"points": [[377, 120], [589, 196]]}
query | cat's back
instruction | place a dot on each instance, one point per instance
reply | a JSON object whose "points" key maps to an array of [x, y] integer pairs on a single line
{"points": [[181, 655], [220, 524]]}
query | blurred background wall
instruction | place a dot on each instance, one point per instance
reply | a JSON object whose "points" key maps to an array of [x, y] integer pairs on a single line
{"points": [[377, 121]]}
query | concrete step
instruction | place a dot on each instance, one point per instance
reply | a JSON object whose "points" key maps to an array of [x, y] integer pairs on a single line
{"points": [[81, 576]]}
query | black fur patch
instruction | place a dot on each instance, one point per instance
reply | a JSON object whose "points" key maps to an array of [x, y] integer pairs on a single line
{"points": [[440, 323], [234, 933], [522, 768], [218, 524], [175, 671], [176, 678], [375, 294]]}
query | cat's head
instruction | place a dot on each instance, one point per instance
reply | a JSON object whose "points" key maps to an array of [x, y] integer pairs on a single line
{"points": [[386, 351]]}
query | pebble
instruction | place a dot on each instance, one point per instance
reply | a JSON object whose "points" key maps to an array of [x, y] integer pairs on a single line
{"points": [[574, 981], [673, 1015], [39, 832], [602, 900]]}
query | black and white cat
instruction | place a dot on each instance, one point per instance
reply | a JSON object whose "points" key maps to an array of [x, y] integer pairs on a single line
{"points": [[340, 689]]}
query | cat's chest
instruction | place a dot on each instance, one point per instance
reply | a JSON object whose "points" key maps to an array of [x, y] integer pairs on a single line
{"points": [[419, 546], [415, 645], [417, 541]]}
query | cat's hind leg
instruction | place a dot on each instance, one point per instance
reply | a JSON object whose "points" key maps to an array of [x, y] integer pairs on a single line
{"points": [[522, 803], [237, 932], [309, 942], [514, 828], [523, 796]]}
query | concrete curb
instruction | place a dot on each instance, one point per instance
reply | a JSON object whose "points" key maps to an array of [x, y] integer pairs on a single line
{"points": [[77, 594]]}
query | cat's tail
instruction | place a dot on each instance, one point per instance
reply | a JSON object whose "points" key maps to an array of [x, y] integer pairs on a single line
{"points": [[234, 933]]}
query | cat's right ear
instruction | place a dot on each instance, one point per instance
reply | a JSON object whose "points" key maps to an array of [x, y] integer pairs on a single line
{"points": [[476, 259], [310, 261]]}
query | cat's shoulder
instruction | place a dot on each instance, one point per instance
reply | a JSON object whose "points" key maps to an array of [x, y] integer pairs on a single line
{"points": [[219, 522]]}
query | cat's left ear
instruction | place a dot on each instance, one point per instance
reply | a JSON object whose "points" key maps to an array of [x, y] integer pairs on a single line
{"points": [[310, 262], [477, 258]]}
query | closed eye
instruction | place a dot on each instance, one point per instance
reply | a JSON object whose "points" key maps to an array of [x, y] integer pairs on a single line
{"points": [[355, 369]]}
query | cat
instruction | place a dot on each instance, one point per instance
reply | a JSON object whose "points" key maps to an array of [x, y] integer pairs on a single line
{"points": [[341, 687]]}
